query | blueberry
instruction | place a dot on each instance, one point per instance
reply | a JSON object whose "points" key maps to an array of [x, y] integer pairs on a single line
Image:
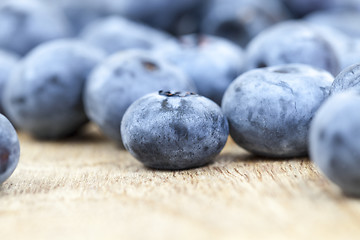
{"points": [[241, 20], [114, 34], [335, 139], [212, 62], [345, 21], [346, 48], [81, 12], [122, 79], [270, 109], [7, 62], [303, 8], [169, 15], [174, 130], [9, 149], [44, 94], [350, 53], [300, 8], [292, 42], [189, 20], [25, 24], [349, 78]]}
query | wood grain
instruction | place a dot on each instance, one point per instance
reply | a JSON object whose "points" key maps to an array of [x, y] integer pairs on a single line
{"points": [[87, 188]]}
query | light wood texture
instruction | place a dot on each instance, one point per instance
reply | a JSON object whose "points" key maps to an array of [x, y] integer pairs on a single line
{"points": [[87, 188]]}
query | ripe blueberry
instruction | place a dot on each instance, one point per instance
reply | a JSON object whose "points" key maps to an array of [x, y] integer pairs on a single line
{"points": [[44, 94], [345, 21], [241, 20], [270, 109], [174, 130], [25, 24], [7, 62], [211, 62], [114, 34], [292, 42], [122, 79], [9, 149], [346, 48], [335, 140], [164, 14]]}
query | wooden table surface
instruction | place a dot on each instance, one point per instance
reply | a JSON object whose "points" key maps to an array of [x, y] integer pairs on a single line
{"points": [[87, 188]]}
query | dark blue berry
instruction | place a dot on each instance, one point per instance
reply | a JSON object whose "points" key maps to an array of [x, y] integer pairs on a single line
{"points": [[44, 94], [345, 21], [122, 79], [174, 130], [9, 149], [114, 34], [211, 62], [176, 16], [241, 20], [24, 24], [347, 48], [335, 140], [270, 109], [7, 62], [292, 42]]}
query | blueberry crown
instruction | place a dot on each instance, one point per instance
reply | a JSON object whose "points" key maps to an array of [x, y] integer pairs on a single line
{"points": [[150, 65], [175, 94]]}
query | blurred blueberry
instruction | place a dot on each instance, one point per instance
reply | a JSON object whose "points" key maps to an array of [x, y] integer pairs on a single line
{"points": [[270, 109], [211, 62], [241, 20], [292, 42], [9, 149], [300, 8], [25, 24], [335, 139], [349, 78], [351, 53], [122, 79], [346, 21], [114, 34], [347, 48], [44, 94], [174, 130], [176, 16], [7, 62], [80, 13]]}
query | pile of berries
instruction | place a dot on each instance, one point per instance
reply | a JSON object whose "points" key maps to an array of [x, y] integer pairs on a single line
{"points": [[169, 80]]}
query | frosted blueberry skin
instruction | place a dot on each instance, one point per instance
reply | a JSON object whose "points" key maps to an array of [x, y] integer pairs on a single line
{"points": [[302, 44], [9, 149], [113, 34], [7, 62], [174, 131], [335, 139], [269, 109], [241, 20], [24, 24], [123, 78], [211, 62], [44, 94], [349, 78]]}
